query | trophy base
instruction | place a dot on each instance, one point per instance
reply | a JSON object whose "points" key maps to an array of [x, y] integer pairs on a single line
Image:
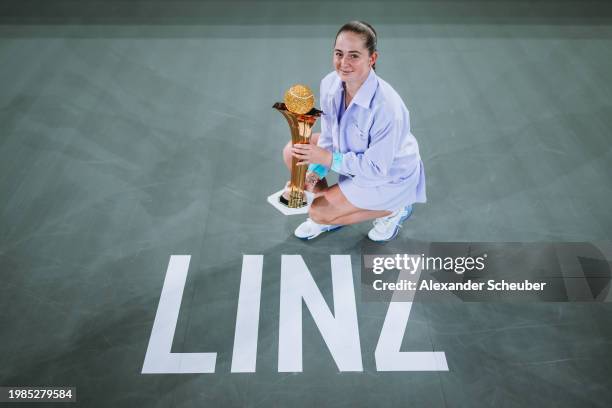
{"points": [[275, 200], [285, 202]]}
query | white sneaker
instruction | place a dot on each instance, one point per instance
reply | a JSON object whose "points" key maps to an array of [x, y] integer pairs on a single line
{"points": [[310, 229], [387, 228]]}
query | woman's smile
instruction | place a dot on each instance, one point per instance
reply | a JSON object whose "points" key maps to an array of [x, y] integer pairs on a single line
{"points": [[352, 60]]}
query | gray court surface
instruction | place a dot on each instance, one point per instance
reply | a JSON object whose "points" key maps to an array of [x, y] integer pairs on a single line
{"points": [[133, 131]]}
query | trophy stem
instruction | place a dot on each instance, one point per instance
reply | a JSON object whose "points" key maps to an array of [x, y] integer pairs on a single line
{"points": [[301, 130], [298, 178]]}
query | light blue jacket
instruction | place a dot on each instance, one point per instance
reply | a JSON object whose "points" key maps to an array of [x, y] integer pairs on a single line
{"points": [[372, 142]]}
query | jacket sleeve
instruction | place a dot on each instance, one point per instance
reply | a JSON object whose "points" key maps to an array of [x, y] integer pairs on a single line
{"points": [[375, 162], [325, 139]]}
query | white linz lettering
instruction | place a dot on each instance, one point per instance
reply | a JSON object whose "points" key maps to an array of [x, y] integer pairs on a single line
{"points": [[339, 330]]}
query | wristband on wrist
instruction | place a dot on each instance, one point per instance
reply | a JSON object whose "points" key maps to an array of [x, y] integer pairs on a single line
{"points": [[319, 169], [336, 162]]}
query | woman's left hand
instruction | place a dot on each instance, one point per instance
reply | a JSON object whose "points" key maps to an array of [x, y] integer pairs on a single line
{"points": [[311, 154]]}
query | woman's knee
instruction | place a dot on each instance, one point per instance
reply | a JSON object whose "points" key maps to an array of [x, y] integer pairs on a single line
{"points": [[314, 138], [287, 153]]}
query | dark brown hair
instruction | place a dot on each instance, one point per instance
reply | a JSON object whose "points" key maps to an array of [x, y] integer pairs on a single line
{"points": [[363, 29]]}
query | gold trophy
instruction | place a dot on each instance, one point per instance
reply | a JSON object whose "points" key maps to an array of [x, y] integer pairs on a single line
{"points": [[301, 116]]}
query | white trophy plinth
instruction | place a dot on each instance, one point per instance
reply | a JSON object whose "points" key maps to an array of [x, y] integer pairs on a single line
{"points": [[274, 200]]}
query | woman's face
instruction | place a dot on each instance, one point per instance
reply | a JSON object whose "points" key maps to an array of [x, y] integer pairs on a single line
{"points": [[352, 60]]}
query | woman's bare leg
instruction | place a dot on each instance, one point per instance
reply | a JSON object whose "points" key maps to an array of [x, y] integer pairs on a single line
{"points": [[332, 207]]}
